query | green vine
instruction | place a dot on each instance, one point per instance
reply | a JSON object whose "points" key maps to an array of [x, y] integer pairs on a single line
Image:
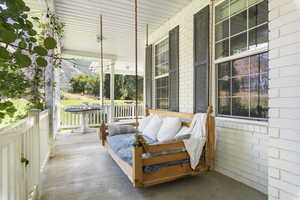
{"points": [[24, 54]]}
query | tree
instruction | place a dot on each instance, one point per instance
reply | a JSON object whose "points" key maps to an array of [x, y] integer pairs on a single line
{"points": [[22, 56], [124, 86], [79, 83]]}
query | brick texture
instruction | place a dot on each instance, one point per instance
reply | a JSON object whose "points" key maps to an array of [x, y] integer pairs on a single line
{"points": [[284, 144]]}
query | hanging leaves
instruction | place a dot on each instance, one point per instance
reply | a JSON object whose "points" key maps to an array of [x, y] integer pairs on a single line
{"points": [[25, 55], [40, 50], [7, 36], [22, 44], [41, 62], [22, 60], [4, 54], [50, 43], [32, 32], [33, 39]]}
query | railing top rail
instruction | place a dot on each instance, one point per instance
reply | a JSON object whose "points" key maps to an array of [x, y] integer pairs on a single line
{"points": [[20, 126], [44, 114]]}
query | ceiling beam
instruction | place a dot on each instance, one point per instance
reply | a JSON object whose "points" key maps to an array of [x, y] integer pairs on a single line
{"points": [[70, 54]]}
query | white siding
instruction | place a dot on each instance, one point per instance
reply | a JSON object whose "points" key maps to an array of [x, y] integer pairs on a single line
{"points": [[241, 144], [284, 149]]}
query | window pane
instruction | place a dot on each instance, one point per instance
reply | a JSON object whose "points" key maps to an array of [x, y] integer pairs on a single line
{"points": [[264, 83], [162, 57], [240, 106], [254, 64], [224, 106], [254, 84], [237, 6], [259, 106], [224, 70], [240, 86], [259, 84], [222, 30], [238, 23], [224, 88], [222, 11], [258, 37], [264, 62], [162, 93], [238, 43], [258, 14], [222, 49], [240, 67]]}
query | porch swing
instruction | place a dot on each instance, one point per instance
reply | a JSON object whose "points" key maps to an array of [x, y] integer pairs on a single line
{"points": [[148, 163]]}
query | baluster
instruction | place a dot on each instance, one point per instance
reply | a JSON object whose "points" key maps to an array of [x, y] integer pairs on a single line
{"points": [[17, 168], [12, 159], [6, 173]]}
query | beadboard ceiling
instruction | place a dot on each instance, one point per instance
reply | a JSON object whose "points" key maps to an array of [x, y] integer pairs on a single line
{"points": [[82, 25]]}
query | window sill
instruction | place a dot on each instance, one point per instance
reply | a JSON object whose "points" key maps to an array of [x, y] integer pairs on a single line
{"points": [[243, 121]]}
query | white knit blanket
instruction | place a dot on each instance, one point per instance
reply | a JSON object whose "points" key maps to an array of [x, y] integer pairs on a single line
{"points": [[194, 145]]}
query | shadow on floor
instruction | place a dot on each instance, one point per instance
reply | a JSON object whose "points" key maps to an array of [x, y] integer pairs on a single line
{"points": [[82, 170]]}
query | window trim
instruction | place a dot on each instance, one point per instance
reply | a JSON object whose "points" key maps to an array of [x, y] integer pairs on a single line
{"points": [[154, 71], [247, 53]]}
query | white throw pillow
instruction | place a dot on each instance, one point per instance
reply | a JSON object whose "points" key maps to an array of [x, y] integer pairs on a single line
{"points": [[144, 122], [183, 134], [169, 128], [153, 127]]}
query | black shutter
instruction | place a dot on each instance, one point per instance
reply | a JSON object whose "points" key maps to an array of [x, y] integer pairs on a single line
{"points": [[148, 77], [174, 69], [201, 59]]}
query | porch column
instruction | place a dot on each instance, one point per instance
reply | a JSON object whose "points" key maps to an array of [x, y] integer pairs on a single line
{"points": [[112, 91]]}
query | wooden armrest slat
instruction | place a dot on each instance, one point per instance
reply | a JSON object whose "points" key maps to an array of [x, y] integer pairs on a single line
{"points": [[153, 148], [165, 158]]}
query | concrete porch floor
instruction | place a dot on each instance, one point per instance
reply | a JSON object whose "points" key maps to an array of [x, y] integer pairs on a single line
{"points": [[82, 170]]}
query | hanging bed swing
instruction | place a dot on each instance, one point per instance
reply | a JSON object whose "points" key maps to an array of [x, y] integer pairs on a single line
{"points": [[147, 162]]}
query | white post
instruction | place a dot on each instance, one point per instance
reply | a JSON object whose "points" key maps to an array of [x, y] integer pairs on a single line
{"points": [[35, 114], [100, 88], [112, 91], [50, 104], [57, 91]]}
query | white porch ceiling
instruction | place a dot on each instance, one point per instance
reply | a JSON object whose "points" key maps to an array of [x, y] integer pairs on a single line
{"points": [[82, 25]]}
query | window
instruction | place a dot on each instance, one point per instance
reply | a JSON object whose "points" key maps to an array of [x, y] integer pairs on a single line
{"points": [[240, 25], [243, 87], [242, 82], [162, 74]]}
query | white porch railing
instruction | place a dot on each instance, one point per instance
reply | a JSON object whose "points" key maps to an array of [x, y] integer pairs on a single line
{"points": [[24, 150], [121, 112]]}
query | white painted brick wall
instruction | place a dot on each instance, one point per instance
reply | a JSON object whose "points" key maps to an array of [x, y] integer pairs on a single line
{"points": [[242, 151], [284, 131], [241, 145]]}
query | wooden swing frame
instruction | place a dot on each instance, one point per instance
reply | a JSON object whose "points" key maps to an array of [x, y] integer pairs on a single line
{"points": [[136, 174]]}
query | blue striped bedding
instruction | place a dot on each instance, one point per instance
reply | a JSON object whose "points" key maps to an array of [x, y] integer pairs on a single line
{"points": [[122, 146]]}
